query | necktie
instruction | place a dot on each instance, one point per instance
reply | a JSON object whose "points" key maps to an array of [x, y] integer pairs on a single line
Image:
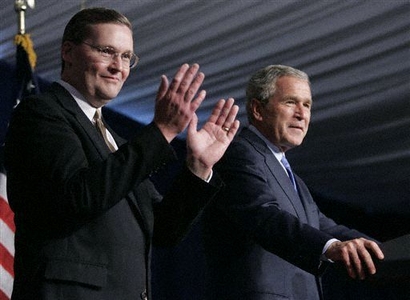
{"points": [[102, 129], [289, 170]]}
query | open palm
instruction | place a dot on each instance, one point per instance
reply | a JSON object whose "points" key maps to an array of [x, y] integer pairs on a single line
{"points": [[206, 146]]}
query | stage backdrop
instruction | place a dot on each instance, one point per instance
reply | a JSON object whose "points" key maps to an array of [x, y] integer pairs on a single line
{"points": [[356, 157]]}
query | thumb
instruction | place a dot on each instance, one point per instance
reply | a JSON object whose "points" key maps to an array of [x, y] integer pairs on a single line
{"points": [[192, 126], [163, 87]]}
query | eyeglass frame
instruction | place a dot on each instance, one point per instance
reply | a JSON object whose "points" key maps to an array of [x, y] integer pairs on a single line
{"points": [[113, 54]]}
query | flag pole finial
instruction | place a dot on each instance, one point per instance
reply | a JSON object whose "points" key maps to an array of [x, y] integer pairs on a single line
{"points": [[20, 7]]}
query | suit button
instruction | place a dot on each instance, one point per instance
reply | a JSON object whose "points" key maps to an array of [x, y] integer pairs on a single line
{"points": [[144, 295]]}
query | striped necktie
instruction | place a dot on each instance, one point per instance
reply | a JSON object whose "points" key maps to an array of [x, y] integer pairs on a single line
{"points": [[102, 129]]}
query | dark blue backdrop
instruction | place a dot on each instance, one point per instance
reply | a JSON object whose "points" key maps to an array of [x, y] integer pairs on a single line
{"points": [[178, 272]]}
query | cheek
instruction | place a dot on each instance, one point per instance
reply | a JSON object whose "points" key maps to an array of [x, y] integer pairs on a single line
{"points": [[125, 75], [90, 70], [97, 67]]}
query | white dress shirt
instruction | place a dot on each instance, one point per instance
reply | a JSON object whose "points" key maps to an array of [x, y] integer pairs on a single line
{"points": [[88, 110]]}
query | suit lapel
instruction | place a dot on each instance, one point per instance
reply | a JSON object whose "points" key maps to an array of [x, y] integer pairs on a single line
{"points": [[305, 198], [69, 104], [278, 173], [286, 185]]}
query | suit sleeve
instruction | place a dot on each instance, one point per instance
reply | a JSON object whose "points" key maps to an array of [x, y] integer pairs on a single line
{"points": [[55, 171], [254, 205], [182, 206]]}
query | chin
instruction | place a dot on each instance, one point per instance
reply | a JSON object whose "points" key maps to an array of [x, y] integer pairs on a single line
{"points": [[106, 97], [293, 144]]}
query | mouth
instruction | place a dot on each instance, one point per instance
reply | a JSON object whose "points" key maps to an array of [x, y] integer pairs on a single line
{"points": [[111, 78], [296, 127]]}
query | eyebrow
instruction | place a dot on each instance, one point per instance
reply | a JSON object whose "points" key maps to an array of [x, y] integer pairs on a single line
{"points": [[295, 97], [115, 49]]}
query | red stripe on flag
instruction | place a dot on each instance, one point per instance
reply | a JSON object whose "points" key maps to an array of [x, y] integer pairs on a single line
{"points": [[6, 260], [3, 296], [6, 214]]}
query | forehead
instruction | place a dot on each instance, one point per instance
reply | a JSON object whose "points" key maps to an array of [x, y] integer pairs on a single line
{"points": [[294, 87], [115, 35]]}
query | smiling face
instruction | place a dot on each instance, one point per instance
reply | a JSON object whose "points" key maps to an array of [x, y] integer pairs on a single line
{"points": [[284, 120], [97, 79]]}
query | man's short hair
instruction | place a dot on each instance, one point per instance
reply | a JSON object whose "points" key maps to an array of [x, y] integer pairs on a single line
{"points": [[262, 84]]}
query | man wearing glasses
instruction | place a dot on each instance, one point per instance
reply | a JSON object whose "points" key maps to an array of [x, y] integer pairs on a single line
{"points": [[86, 212]]}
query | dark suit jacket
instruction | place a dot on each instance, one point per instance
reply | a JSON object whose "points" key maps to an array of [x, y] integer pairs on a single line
{"points": [[84, 216], [263, 240]]}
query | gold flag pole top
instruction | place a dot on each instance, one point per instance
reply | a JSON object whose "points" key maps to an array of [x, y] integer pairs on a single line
{"points": [[22, 38]]}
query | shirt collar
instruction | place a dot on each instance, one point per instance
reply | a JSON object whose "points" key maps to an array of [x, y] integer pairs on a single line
{"points": [[88, 110], [275, 150]]}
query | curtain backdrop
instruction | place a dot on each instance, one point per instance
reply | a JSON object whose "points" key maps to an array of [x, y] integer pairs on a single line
{"points": [[356, 156]]}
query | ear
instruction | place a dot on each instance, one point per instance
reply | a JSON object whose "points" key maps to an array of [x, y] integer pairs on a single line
{"points": [[67, 51], [256, 109]]}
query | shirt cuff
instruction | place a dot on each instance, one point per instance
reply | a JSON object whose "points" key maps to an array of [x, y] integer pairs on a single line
{"points": [[209, 177], [327, 245]]}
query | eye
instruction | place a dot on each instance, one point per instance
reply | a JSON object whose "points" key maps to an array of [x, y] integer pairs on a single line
{"points": [[126, 56], [308, 105], [107, 51]]}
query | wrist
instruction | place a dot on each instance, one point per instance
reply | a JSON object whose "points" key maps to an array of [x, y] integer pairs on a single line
{"points": [[200, 170], [325, 248], [168, 134]]}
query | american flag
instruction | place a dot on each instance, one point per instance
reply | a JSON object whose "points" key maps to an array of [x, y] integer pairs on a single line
{"points": [[7, 229], [27, 85]]}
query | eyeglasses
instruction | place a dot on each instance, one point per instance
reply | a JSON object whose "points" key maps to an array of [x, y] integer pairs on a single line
{"points": [[128, 59]]}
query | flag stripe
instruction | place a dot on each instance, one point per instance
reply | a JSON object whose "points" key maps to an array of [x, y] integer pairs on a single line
{"points": [[6, 214], [4, 206], [6, 237], [6, 284], [6, 260], [3, 296], [2, 186], [7, 230]]}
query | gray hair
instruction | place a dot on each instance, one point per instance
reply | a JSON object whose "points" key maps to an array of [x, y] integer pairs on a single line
{"points": [[262, 84]]}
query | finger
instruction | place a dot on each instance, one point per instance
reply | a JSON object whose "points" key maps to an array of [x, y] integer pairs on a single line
{"points": [[342, 254], [187, 81], [362, 258], [234, 129], [368, 262], [178, 77], [223, 119], [375, 249], [231, 115], [372, 250], [193, 87], [198, 100], [216, 112], [162, 87], [193, 125], [231, 125], [358, 264], [188, 78], [351, 270]]}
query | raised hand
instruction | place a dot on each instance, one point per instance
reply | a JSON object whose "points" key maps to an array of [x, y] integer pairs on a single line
{"points": [[206, 146], [356, 255], [177, 102]]}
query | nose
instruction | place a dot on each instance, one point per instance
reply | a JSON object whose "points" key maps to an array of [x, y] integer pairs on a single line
{"points": [[301, 111], [117, 62]]}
